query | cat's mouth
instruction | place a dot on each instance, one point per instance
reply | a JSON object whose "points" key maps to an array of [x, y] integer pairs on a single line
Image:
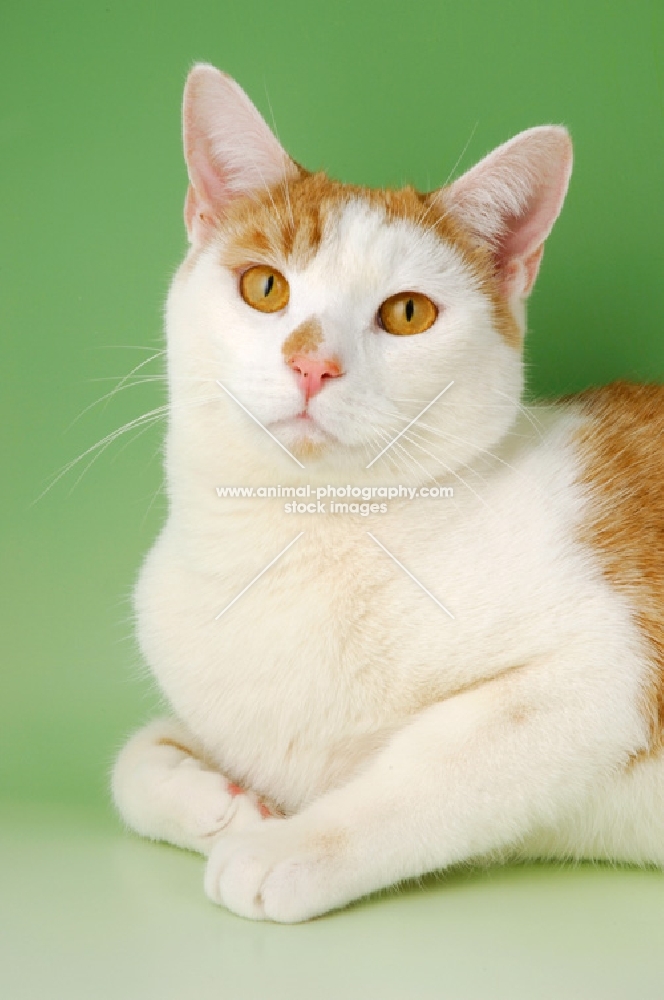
{"points": [[302, 422], [303, 435]]}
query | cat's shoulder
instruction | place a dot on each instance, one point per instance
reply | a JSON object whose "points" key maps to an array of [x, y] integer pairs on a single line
{"points": [[620, 438], [622, 405], [620, 445]]}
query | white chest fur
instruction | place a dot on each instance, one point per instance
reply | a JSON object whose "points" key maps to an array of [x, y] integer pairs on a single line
{"points": [[335, 646]]}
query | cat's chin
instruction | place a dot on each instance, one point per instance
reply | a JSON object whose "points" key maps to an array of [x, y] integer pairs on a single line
{"points": [[303, 436]]}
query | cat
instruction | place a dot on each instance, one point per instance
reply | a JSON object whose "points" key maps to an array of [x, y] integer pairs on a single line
{"points": [[361, 698]]}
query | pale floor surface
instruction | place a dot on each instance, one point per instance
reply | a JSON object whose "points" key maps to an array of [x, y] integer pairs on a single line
{"points": [[88, 911]]}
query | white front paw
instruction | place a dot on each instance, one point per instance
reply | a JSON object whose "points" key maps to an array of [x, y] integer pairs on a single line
{"points": [[199, 804], [214, 808], [280, 871]]}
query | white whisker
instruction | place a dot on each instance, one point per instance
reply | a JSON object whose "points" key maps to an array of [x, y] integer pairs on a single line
{"points": [[284, 181], [451, 472], [121, 384], [97, 449]]}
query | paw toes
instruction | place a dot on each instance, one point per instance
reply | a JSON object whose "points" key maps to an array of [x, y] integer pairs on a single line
{"points": [[233, 878], [264, 874]]}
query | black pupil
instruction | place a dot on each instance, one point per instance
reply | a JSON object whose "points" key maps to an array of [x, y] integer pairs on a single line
{"points": [[410, 309], [268, 286]]}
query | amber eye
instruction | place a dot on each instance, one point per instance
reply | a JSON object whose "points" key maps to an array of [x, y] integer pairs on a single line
{"points": [[407, 312], [264, 288]]}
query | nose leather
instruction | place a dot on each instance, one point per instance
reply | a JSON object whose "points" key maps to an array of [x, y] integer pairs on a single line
{"points": [[312, 371]]}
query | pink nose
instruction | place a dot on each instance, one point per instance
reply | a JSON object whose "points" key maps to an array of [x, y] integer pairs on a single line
{"points": [[310, 372]]}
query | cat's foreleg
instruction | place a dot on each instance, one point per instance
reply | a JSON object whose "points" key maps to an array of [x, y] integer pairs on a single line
{"points": [[470, 776], [164, 790]]}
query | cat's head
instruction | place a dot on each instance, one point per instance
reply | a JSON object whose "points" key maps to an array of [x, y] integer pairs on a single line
{"points": [[334, 314]]}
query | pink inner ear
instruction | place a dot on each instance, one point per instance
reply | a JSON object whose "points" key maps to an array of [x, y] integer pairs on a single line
{"points": [[229, 149], [522, 247], [511, 199], [526, 232], [519, 273], [210, 188]]}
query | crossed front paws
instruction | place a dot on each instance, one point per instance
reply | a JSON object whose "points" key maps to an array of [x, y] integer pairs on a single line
{"points": [[286, 870], [213, 805]]}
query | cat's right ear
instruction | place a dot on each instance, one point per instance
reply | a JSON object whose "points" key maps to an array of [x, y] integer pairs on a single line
{"points": [[229, 148]]}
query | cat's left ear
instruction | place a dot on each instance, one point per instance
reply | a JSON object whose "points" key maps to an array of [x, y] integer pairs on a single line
{"points": [[229, 148], [510, 200]]}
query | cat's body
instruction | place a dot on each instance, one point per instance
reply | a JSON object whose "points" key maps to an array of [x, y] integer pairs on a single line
{"points": [[394, 735]]}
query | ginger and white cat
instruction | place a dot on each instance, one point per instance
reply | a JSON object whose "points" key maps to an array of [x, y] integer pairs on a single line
{"points": [[333, 729]]}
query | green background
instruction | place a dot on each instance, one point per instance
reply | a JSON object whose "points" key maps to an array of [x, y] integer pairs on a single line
{"points": [[91, 213]]}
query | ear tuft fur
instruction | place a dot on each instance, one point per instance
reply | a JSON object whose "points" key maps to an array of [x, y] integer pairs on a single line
{"points": [[511, 199]]}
